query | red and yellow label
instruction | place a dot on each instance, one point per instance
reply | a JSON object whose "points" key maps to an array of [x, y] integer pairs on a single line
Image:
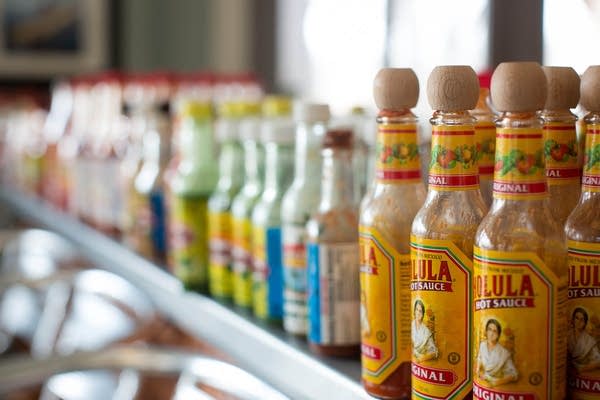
{"points": [[188, 239], [385, 277], [518, 325], [397, 153], [441, 326], [220, 241], [519, 172], [453, 158], [584, 321], [561, 154], [242, 261], [591, 159], [485, 138]]}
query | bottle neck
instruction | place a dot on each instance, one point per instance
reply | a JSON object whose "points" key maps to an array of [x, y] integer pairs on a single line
{"points": [[520, 168], [196, 141], [307, 162], [591, 159], [397, 155], [337, 184], [278, 166], [253, 162], [230, 163], [453, 165], [157, 141]]}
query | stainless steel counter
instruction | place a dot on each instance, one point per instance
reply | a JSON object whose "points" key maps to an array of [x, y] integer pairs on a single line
{"points": [[262, 349]]}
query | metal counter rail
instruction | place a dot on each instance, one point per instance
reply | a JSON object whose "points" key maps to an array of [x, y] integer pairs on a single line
{"points": [[264, 350]]}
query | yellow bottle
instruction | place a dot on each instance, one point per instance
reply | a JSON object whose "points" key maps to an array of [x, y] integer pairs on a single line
{"points": [[583, 238], [519, 347], [560, 141], [442, 242], [385, 222]]}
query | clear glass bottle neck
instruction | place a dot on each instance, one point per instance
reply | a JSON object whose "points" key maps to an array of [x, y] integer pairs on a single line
{"points": [[592, 118], [529, 119], [452, 118], [253, 161], [157, 141], [196, 141], [404, 116], [337, 184], [278, 165], [230, 164], [307, 162], [558, 116]]}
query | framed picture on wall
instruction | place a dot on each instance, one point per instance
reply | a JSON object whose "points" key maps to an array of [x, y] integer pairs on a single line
{"points": [[44, 38]]}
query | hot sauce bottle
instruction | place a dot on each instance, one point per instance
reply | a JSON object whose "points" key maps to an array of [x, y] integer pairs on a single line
{"points": [[384, 238], [563, 171], [583, 239], [520, 255], [442, 242]]}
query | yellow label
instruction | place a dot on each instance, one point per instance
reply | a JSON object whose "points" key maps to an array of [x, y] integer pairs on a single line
{"points": [[485, 138], [441, 326], [140, 224], [259, 260], [561, 153], [591, 159], [242, 261], [453, 158], [220, 241], [519, 172], [385, 277], [397, 153], [584, 321], [519, 348], [188, 239]]}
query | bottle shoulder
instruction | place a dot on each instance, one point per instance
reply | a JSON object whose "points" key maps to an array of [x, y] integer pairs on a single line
{"points": [[583, 225]]}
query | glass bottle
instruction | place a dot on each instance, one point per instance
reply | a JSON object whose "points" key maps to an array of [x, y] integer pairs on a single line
{"points": [[485, 138], [563, 170], [231, 162], [242, 206], [189, 189], [520, 280], [277, 135], [583, 239], [332, 254], [147, 234], [385, 222], [442, 241], [299, 203]]}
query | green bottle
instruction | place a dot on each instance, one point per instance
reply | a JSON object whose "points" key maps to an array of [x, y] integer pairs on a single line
{"points": [[277, 134], [231, 163], [242, 206], [189, 189]]}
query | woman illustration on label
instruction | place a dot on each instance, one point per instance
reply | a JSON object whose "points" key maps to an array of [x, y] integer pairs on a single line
{"points": [[424, 347], [583, 347], [494, 362], [365, 326]]}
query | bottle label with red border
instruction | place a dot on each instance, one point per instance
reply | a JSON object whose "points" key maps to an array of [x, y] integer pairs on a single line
{"points": [[519, 172], [385, 277], [441, 320], [518, 322], [397, 154], [561, 153], [591, 159], [584, 320], [453, 158]]}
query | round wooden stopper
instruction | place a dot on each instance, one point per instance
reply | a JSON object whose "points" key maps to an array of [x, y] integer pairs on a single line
{"points": [[518, 87], [563, 88], [396, 89], [453, 88], [590, 89]]}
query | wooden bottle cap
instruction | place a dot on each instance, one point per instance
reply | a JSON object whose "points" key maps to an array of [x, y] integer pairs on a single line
{"points": [[453, 88], [563, 88], [396, 89], [339, 138], [518, 87], [590, 89]]}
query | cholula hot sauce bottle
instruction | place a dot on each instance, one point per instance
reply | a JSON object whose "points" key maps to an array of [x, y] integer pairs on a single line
{"points": [[520, 285], [442, 242], [385, 221], [583, 239]]}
